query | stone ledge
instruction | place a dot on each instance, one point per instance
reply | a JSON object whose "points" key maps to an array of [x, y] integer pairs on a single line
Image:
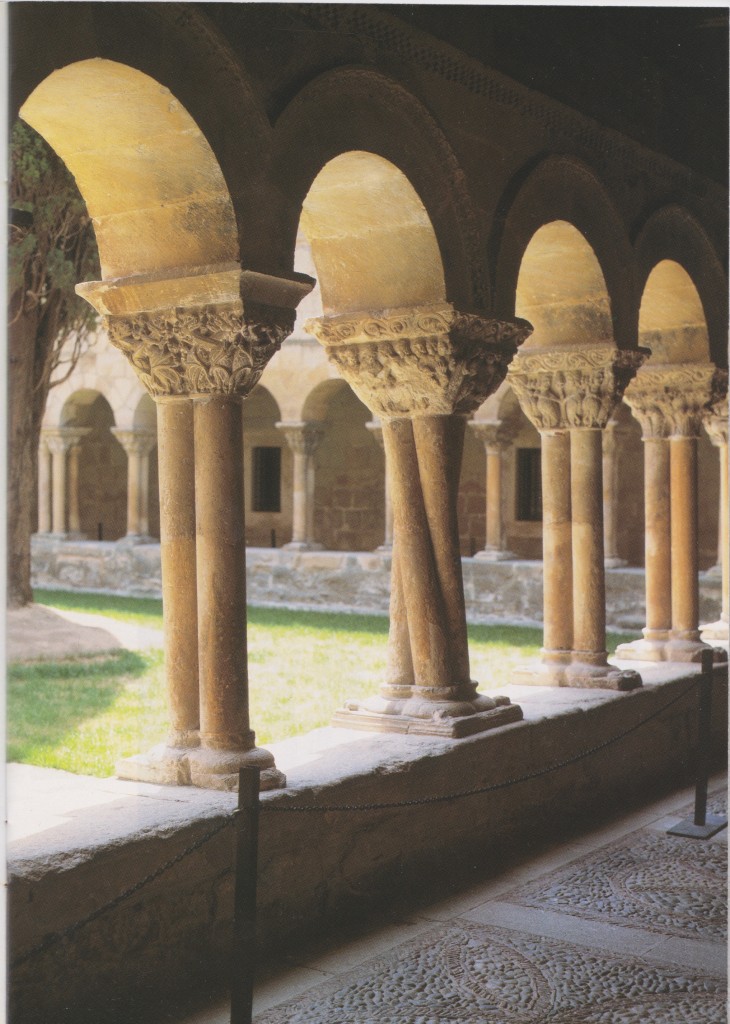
{"points": [[316, 867]]}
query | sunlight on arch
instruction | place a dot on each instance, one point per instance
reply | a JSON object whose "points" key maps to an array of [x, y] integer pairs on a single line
{"points": [[150, 180], [372, 240], [561, 289], [671, 318]]}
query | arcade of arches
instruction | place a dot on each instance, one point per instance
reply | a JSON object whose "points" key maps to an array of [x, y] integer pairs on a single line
{"points": [[522, 352]]}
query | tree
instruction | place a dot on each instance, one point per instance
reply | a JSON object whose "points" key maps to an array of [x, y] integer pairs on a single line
{"points": [[52, 247]]}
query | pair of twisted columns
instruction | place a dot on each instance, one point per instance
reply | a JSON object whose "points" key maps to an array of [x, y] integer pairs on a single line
{"points": [[58, 480], [421, 372], [569, 394], [670, 403], [304, 438], [199, 344]]}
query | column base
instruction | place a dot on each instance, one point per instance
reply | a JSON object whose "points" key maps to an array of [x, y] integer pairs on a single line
{"points": [[494, 555], [714, 572], [614, 563], [419, 716], [195, 766], [385, 549], [302, 545], [713, 631], [690, 651], [218, 769], [650, 648], [132, 539], [578, 674]]}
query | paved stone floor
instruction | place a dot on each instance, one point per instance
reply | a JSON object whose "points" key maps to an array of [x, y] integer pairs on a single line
{"points": [[624, 925]]}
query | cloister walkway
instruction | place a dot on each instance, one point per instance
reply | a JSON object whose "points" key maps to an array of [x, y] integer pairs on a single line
{"points": [[622, 923]]}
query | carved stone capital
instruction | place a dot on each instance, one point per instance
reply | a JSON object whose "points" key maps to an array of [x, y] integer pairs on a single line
{"points": [[567, 387], [135, 441], [494, 434], [302, 437], [671, 400], [61, 439], [427, 361], [716, 415], [203, 350]]}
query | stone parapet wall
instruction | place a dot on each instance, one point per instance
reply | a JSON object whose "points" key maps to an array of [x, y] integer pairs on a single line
{"points": [[342, 581]]}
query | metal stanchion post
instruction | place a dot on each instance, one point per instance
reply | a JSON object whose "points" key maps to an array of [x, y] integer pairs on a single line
{"points": [[702, 825], [244, 902]]}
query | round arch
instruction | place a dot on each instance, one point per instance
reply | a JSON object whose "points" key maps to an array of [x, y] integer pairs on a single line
{"points": [[360, 111], [672, 243], [563, 189]]}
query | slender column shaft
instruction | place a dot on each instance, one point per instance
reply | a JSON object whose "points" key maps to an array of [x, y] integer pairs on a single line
{"points": [[44, 488], [724, 533], [557, 546], [59, 489], [309, 501], [74, 514], [144, 494], [426, 614], [388, 540], [685, 585], [611, 440], [299, 497], [400, 662], [658, 545], [439, 445], [221, 574], [179, 578], [133, 479], [589, 588], [494, 538]]}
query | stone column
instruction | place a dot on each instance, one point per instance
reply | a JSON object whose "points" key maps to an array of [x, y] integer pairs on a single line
{"points": [[60, 440], [303, 438], [716, 425], [421, 371], [668, 402], [44, 485], [138, 444], [569, 395], [74, 511], [496, 438], [376, 429], [198, 358], [611, 447]]}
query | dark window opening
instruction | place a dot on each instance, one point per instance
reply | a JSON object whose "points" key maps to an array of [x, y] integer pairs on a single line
{"points": [[529, 485], [266, 480]]}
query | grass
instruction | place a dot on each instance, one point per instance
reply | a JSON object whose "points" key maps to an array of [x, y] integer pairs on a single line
{"points": [[83, 714]]}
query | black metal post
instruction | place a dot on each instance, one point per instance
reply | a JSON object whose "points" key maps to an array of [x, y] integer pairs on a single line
{"points": [[244, 901], [703, 825]]}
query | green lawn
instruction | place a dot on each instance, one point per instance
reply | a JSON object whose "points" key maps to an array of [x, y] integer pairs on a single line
{"points": [[83, 714]]}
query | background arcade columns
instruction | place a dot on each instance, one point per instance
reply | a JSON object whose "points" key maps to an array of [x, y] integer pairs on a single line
{"points": [[138, 444], [65, 478], [303, 437], [44, 484], [421, 371], [496, 437], [716, 425], [569, 394], [198, 358]]}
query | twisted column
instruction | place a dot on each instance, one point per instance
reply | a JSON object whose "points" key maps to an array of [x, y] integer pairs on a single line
{"points": [[304, 438], [496, 438], [198, 358], [138, 444], [716, 425], [569, 395], [668, 402], [376, 429], [44, 484], [421, 371]]}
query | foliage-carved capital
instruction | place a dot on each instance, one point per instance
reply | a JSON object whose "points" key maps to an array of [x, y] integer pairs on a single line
{"points": [[671, 400], [564, 388], [204, 350], [716, 415], [425, 361], [135, 441], [304, 438], [494, 434]]}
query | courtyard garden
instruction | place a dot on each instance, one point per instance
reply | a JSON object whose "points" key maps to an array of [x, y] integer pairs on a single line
{"points": [[83, 714]]}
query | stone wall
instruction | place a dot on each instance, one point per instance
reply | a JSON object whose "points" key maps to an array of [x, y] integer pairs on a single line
{"points": [[171, 939], [343, 581]]}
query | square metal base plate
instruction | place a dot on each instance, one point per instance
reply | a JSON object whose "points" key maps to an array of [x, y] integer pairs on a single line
{"points": [[714, 823]]}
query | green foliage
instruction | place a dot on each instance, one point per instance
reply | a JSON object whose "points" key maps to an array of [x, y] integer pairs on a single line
{"points": [[57, 249]]}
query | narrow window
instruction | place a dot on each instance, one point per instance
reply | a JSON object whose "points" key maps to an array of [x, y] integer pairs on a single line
{"points": [[529, 485], [266, 480]]}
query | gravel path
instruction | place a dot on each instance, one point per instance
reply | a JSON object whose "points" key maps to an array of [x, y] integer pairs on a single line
{"points": [[39, 632]]}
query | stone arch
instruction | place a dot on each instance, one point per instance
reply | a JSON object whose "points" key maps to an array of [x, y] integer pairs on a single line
{"points": [[170, 207], [561, 289], [672, 321], [672, 235], [102, 466], [177, 46], [563, 189], [349, 492], [359, 111]]}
